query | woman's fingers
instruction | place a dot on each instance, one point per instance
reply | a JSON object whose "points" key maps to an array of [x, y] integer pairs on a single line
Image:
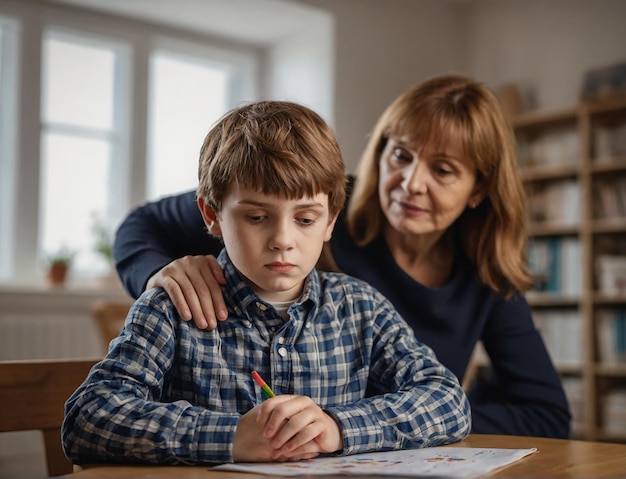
{"points": [[193, 284]]}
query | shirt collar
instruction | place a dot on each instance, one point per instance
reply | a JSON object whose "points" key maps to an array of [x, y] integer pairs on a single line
{"points": [[240, 297]]}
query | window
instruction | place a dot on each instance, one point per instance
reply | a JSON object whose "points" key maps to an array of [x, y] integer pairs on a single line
{"points": [[82, 141], [85, 168]]}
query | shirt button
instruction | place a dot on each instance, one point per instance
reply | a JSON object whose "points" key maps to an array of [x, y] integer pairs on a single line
{"points": [[281, 340], [282, 352], [261, 306], [247, 323]]}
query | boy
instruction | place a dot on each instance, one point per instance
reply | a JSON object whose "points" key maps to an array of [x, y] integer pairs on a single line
{"points": [[271, 184]]}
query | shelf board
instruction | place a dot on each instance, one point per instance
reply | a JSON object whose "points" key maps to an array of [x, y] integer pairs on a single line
{"points": [[605, 105], [609, 225], [609, 164], [537, 299], [550, 172], [610, 370], [609, 300], [541, 119], [553, 229]]}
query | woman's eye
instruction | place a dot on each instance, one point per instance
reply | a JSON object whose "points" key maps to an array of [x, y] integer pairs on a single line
{"points": [[444, 172], [401, 156]]}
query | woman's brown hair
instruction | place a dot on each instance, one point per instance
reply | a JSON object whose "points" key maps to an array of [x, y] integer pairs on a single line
{"points": [[494, 234]]}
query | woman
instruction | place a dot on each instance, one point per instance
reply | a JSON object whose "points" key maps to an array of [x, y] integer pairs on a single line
{"points": [[435, 221]]}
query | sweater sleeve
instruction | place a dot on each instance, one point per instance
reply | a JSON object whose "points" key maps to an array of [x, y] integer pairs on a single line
{"points": [[523, 394], [155, 234]]}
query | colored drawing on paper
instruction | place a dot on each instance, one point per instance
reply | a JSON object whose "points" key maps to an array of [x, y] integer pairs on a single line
{"points": [[434, 461]]}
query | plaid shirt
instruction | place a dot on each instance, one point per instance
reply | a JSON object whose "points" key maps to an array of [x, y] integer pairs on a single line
{"points": [[168, 392]]}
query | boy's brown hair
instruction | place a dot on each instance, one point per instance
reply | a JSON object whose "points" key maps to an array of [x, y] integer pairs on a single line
{"points": [[275, 147]]}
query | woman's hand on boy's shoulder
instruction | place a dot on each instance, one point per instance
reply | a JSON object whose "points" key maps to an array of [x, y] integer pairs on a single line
{"points": [[193, 284]]}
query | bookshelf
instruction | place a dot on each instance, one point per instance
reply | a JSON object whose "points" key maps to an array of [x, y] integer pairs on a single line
{"points": [[573, 164]]}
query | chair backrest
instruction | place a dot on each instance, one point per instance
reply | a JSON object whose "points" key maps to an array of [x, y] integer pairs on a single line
{"points": [[109, 317], [32, 397]]}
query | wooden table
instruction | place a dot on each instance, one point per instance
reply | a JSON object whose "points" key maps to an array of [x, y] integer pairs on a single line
{"points": [[554, 458]]}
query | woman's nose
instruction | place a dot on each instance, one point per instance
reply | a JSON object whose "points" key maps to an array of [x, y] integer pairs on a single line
{"points": [[415, 178]]}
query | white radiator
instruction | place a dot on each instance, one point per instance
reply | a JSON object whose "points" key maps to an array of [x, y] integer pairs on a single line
{"points": [[49, 323], [48, 336]]}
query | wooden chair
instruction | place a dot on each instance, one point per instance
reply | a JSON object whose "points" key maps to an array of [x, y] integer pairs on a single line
{"points": [[32, 397], [479, 360], [109, 317]]}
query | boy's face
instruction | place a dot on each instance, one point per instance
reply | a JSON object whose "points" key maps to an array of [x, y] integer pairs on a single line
{"points": [[273, 242]]}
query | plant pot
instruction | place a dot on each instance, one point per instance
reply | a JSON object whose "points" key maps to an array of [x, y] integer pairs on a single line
{"points": [[57, 274]]}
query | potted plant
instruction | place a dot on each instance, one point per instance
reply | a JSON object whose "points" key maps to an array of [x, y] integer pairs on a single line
{"points": [[58, 265]]}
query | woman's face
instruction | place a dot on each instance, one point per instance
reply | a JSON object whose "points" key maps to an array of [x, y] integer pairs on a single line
{"points": [[424, 193]]}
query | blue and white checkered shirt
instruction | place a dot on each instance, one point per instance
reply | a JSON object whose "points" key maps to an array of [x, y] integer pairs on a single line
{"points": [[168, 392]]}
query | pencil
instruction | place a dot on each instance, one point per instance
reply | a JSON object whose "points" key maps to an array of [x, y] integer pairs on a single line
{"points": [[266, 389]]}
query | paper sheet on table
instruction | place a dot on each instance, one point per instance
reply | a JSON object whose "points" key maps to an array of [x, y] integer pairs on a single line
{"points": [[431, 461]]}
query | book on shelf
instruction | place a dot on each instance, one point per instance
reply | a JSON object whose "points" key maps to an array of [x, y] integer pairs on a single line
{"points": [[556, 202], [614, 412], [562, 332], [609, 141], [573, 387], [555, 263], [559, 147], [611, 274], [611, 324], [611, 197]]}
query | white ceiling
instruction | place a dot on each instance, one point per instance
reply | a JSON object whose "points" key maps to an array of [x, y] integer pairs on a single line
{"points": [[258, 21]]}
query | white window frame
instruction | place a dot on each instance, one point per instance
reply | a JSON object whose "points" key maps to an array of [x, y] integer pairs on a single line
{"points": [[9, 52]]}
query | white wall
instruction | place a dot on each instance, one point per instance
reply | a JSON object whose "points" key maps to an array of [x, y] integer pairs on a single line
{"points": [[301, 67], [544, 46], [384, 46]]}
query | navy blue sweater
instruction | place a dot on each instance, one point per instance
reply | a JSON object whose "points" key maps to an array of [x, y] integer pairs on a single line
{"points": [[523, 395]]}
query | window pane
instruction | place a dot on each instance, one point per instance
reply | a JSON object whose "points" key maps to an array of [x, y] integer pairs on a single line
{"points": [[186, 98], [73, 192], [78, 84]]}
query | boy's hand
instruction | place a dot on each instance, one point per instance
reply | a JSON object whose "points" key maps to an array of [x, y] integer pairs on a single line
{"points": [[297, 427], [193, 284], [251, 445]]}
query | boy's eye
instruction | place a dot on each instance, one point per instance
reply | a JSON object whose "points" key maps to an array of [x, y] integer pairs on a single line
{"points": [[255, 218], [305, 221]]}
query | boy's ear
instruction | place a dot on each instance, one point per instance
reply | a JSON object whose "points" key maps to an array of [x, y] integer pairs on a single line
{"points": [[210, 217], [329, 229]]}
